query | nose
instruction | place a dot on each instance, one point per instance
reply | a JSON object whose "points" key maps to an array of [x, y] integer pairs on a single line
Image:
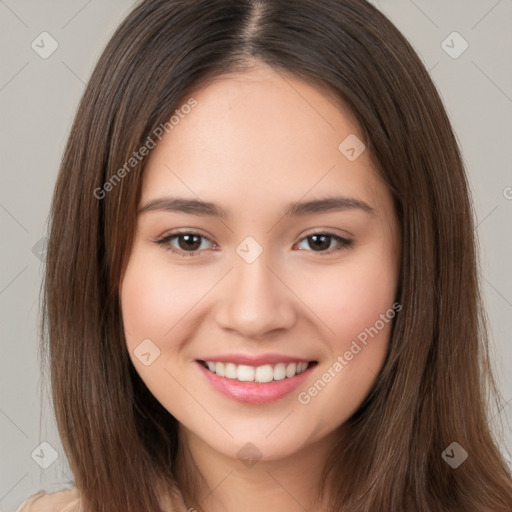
{"points": [[255, 300]]}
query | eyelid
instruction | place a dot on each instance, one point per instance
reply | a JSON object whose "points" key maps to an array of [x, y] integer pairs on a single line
{"points": [[345, 242], [326, 231], [165, 241]]}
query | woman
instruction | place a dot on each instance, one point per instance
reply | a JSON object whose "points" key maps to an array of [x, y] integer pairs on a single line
{"points": [[261, 289]]}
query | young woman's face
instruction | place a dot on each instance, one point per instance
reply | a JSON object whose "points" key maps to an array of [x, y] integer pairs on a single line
{"points": [[287, 255]]}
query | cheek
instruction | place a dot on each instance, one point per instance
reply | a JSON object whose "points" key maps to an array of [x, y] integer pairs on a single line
{"points": [[151, 309], [358, 305], [360, 315], [143, 297], [154, 299], [351, 297]]}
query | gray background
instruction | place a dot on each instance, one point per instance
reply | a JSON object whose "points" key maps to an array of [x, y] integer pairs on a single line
{"points": [[38, 98]]}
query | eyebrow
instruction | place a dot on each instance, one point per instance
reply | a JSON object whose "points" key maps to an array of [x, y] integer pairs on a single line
{"points": [[298, 209]]}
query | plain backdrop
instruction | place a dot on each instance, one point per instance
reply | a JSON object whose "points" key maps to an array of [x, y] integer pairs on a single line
{"points": [[39, 93]]}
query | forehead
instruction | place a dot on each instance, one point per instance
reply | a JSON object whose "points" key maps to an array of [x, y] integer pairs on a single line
{"points": [[260, 135]]}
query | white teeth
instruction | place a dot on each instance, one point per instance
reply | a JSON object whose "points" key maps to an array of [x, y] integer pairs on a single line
{"points": [[230, 371], [279, 371], [261, 374], [219, 369], [245, 373], [291, 369], [264, 373]]}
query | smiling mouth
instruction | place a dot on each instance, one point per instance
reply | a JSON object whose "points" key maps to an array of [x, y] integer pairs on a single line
{"points": [[258, 374]]}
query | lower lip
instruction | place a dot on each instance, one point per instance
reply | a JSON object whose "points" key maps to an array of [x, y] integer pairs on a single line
{"points": [[255, 392]]}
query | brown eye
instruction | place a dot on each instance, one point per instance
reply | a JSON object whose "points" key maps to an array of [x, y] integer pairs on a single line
{"points": [[188, 243], [322, 242]]}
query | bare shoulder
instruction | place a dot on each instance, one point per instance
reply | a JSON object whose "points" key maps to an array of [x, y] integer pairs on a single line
{"points": [[60, 501]]}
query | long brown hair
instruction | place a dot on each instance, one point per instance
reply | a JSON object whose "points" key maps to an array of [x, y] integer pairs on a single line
{"points": [[436, 383]]}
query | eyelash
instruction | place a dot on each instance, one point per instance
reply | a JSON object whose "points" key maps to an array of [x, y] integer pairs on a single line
{"points": [[165, 242]]}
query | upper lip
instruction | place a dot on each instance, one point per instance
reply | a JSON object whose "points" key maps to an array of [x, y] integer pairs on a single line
{"points": [[250, 360]]}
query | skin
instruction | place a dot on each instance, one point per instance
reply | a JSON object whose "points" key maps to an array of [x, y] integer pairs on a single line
{"points": [[255, 142]]}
